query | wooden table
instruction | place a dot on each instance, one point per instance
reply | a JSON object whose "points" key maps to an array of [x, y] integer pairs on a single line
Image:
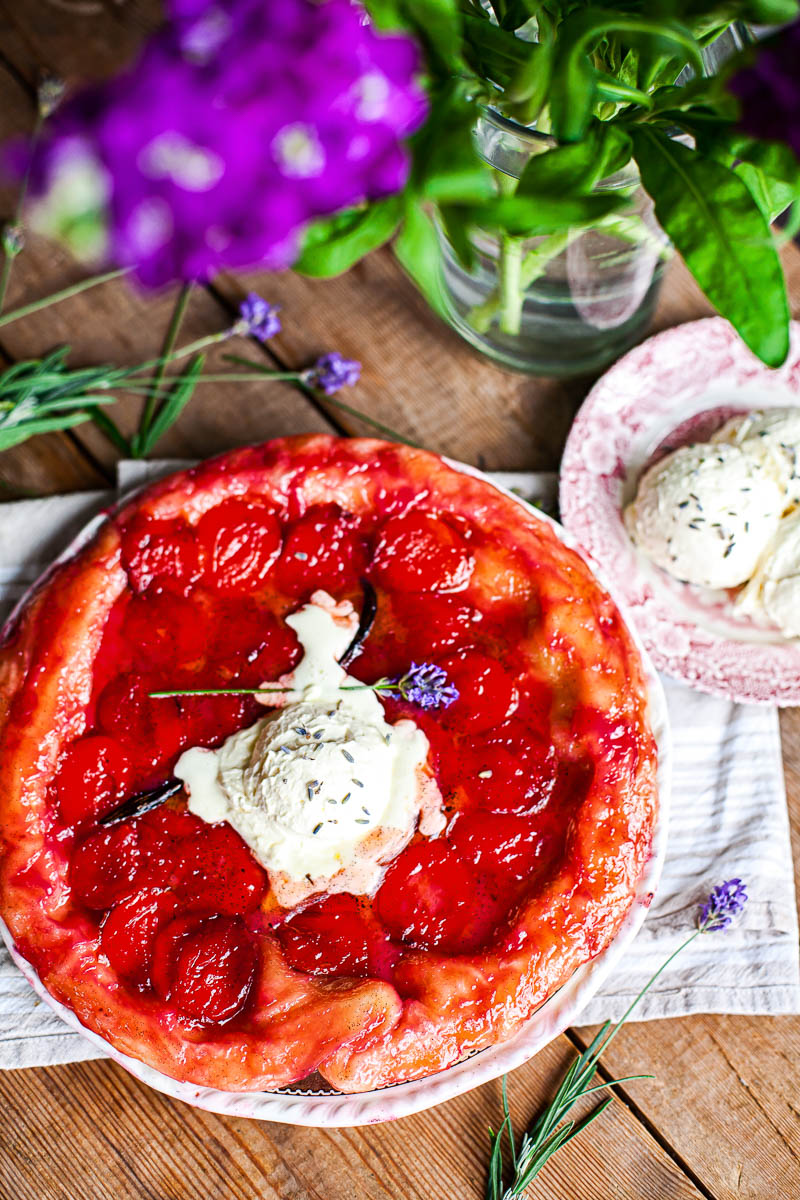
{"points": [[721, 1118]]}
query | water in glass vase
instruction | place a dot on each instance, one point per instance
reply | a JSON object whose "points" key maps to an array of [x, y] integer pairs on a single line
{"points": [[565, 304]]}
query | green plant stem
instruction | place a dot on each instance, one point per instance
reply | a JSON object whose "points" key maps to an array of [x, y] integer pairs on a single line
{"points": [[16, 220], [166, 349], [73, 290], [511, 294]]}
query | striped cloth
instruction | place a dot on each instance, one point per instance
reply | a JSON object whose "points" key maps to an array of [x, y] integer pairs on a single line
{"points": [[728, 819]]}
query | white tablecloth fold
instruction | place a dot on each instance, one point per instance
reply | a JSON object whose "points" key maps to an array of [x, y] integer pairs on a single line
{"points": [[728, 819]]}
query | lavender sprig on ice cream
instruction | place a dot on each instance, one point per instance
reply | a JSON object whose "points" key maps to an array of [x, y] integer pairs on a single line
{"points": [[726, 514]]}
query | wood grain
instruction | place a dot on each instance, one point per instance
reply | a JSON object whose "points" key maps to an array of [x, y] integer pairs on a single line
{"points": [[721, 1118], [137, 1144]]}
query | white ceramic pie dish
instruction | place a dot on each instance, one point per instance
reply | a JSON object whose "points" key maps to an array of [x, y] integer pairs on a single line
{"points": [[327, 1109]]}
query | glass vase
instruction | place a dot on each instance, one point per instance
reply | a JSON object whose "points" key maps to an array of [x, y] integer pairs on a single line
{"points": [[565, 304]]}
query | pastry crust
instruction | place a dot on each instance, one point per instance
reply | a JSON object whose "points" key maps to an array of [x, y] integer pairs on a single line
{"points": [[359, 1033]]}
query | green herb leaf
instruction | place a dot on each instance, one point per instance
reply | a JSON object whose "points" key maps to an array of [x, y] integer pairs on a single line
{"points": [[417, 249], [171, 408], [723, 236], [534, 216], [578, 167], [332, 247]]}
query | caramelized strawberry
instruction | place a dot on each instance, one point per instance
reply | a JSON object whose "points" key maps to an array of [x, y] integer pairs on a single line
{"points": [[509, 770], [151, 730], [421, 552], [431, 898], [322, 550], [218, 872], [159, 549], [252, 645], [106, 866], [509, 849], [238, 542], [337, 936], [205, 968], [129, 932], [486, 691], [163, 630], [92, 778], [431, 625]]}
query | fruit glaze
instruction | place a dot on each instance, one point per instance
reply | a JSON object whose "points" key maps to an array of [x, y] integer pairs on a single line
{"points": [[160, 931]]}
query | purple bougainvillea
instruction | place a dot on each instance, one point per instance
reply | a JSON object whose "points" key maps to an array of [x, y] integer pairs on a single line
{"points": [[240, 122]]}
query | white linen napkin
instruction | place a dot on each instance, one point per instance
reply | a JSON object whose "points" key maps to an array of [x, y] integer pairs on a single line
{"points": [[728, 819]]}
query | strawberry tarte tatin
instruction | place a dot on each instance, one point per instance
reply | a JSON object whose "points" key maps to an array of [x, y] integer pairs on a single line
{"points": [[178, 941]]}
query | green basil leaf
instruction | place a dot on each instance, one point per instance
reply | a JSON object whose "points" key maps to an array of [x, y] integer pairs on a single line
{"points": [[418, 251], [579, 166], [771, 195], [534, 216], [437, 24], [348, 242], [723, 236], [457, 227]]}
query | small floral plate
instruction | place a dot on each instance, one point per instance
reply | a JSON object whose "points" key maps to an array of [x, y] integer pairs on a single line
{"points": [[677, 387]]}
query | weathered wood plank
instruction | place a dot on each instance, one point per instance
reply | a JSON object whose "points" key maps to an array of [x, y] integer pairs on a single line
{"points": [[89, 1130]]}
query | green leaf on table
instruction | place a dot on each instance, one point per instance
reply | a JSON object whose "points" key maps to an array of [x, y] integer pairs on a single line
{"points": [[723, 236], [333, 246], [171, 408], [418, 251]]}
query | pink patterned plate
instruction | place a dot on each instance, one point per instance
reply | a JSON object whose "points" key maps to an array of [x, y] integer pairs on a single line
{"points": [[675, 388]]}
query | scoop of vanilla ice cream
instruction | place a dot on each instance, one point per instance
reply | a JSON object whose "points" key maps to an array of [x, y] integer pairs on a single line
{"points": [[323, 789], [704, 514], [774, 590], [771, 436]]}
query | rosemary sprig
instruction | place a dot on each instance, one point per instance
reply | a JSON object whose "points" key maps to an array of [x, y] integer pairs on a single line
{"points": [[554, 1127], [42, 395]]}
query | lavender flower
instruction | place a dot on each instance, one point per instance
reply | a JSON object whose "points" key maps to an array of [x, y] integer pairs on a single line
{"points": [[332, 371], [258, 318], [424, 684], [724, 903], [769, 89], [241, 122]]}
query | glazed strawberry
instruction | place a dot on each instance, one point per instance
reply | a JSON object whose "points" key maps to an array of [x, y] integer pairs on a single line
{"points": [[162, 550], [129, 932], [163, 835], [106, 866], [251, 645], [487, 693], [421, 552], [336, 936], [93, 776], [213, 968], [430, 899], [238, 543], [508, 770], [151, 731], [509, 849], [218, 872], [164, 630], [322, 550], [431, 625]]}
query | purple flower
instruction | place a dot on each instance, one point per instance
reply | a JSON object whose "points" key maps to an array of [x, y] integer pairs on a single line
{"points": [[769, 89], [241, 122], [332, 371], [724, 903], [258, 318], [427, 685]]}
